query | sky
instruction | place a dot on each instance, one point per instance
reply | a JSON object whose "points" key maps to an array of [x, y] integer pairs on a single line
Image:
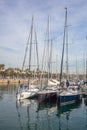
{"points": [[15, 24]]}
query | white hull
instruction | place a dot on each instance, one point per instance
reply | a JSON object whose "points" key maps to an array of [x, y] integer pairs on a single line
{"points": [[53, 82], [24, 94]]}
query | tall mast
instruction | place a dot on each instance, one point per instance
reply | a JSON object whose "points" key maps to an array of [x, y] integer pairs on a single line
{"points": [[37, 52], [66, 26], [26, 51], [48, 48], [30, 48], [30, 44], [61, 69], [51, 58]]}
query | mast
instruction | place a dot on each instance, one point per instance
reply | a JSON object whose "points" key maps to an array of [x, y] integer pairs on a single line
{"points": [[37, 52], [51, 58], [30, 48], [61, 69], [26, 52], [48, 44], [66, 26], [30, 44], [57, 68], [65, 40]]}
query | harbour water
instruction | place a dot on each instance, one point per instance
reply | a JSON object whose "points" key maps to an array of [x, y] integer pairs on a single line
{"points": [[35, 115]]}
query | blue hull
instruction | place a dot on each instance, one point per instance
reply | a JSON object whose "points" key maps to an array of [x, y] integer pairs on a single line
{"points": [[67, 99]]}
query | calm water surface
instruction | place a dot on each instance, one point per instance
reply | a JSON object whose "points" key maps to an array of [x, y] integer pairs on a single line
{"points": [[32, 115]]}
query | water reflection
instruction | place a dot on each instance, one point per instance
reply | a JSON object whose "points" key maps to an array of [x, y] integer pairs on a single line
{"points": [[64, 113], [50, 106], [46, 112], [67, 108], [8, 89], [42, 115], [22, 108], [1, 97], [85, 101], [35, 115], [25, 102]]}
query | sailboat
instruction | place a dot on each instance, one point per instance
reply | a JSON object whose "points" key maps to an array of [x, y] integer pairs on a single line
{"points": [[67, 96], [29, 91], [48, 92]]}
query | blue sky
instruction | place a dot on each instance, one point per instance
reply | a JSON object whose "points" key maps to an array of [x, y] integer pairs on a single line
{"points": [[15, 22]]}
